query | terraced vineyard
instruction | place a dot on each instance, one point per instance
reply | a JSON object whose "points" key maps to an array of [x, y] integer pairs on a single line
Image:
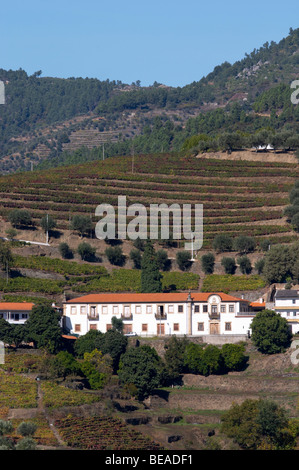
{"points": [[238, 197]]}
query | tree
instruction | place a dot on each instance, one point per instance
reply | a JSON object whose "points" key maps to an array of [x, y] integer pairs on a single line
{"points": [[183, 259], [229, 265], [136, 257], [43, 328], [115, 255], [140, 367], [88, 342], [258, 424], [81, 224], [150, 274], [86, 251], [270, 332], [259, 265], [244, 264], [174, 359], [233, 356], [163, 261], [97, 368], [244, 244], [20, 218], [208, 263], [222, 243], [65, 250], [6, 257], [278, 264]]}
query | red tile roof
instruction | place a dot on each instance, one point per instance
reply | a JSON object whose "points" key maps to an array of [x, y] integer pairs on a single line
{"points": [[16, 306], [155, 297]]}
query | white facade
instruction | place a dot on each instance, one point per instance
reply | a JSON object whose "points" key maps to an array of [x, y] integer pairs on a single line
{"points": [[15, 312], [286, 303], [160, 314]]}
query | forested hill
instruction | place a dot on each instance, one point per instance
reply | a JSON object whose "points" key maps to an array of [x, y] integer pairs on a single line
{"points": [[49, 119]]}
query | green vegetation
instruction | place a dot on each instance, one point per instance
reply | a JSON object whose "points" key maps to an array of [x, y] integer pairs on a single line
{"points": [[270, 332], [229, 283]]}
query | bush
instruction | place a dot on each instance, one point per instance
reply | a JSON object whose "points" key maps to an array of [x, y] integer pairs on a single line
{"points": [[136, 257], [183, 259], [65, 251], [245, 264], [222, 243], [20, 218], [164, 263], [229, 265], [244, 244], [208, 263], [115, 255], [270, 332], [86, 251]]}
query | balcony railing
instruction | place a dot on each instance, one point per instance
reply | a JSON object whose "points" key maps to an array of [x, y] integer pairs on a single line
{"points": [[161, 316], [127, 316], [93, 316]]}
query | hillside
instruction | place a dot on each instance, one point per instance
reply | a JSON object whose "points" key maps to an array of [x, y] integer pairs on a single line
{"points": [[48, 119]]}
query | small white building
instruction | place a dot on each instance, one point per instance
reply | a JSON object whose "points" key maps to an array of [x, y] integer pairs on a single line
{"points": [[15, 312], [161, 314], [286, 303]]}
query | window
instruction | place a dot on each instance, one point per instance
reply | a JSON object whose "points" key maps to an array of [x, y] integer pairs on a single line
{"points": [[180, 308], [223, 308], [93, 310], [108, 326], [148, 309], [104, 309], [138, 309], [170, 309], [214, 308], [77, 328], [196, 308], [176, 327], [293, 301], [115, 309], [128, 328], [93, 327], [144, 327], [127, 310], [200, 326], [73, 310], [228, 326], [231, 308], [205, 309], [83, 309]]}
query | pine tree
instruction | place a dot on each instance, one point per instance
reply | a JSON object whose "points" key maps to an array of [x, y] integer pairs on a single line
{"points": [[150, 274]]}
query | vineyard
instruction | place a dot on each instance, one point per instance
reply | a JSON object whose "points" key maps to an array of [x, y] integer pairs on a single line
{"points": [[102, 433], [238, 197]]}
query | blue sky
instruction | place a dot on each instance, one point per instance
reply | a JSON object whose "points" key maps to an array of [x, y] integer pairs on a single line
{"points": [[170, 42]]}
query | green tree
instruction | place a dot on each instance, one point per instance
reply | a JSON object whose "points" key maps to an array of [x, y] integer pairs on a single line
{"points": [[222, 242], [258, 424], [43, 328], [278, 264], [270, 332], [6, 257], [81, 224], [163, 261], [229, 265], [20, 218], [183, 259], [115, 255], [150, 274], [65, 250], [140, 367], [173, 359], [208, 263], [136, 257], [244, 244], [233, 356], [244, 264], [86, 251], [48, 223]]}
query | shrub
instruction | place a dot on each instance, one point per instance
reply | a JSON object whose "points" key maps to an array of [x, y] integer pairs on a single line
{"points": [[183, 259], [222, 243], [86, 251], [245, 264], [115, 255], [244, 244], [270, 332], [229, 265], [208, 263], [65, 251]]}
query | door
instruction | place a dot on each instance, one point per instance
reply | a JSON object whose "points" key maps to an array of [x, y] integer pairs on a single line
{"points": [[161, 329], [214, 329]]}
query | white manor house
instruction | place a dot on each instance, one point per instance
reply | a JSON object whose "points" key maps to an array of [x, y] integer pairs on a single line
{"points": [[161, 314]]}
